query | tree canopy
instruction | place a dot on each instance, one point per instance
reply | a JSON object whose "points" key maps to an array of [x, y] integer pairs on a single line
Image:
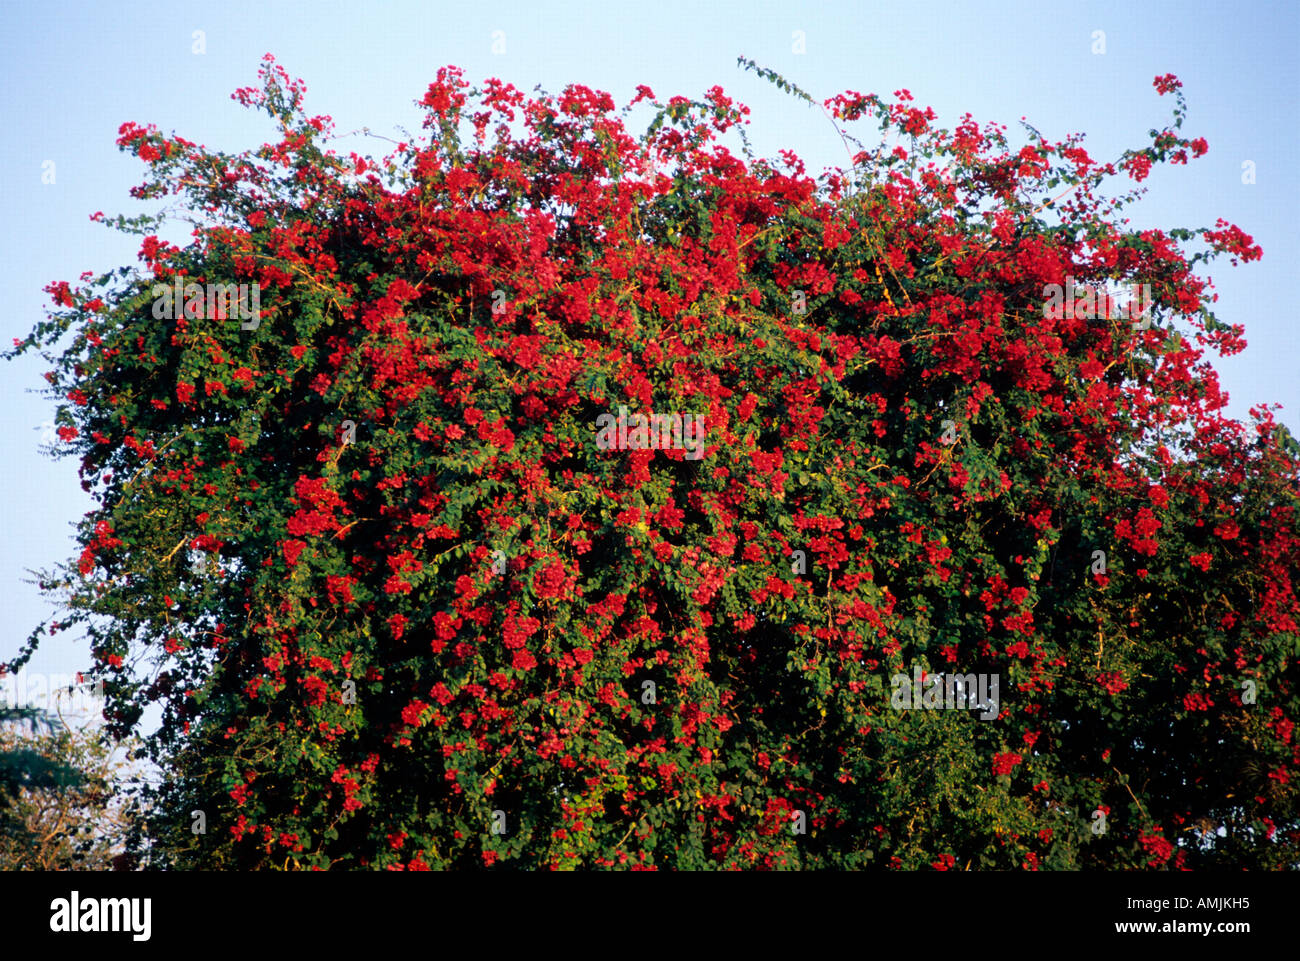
{"points": [[400, 609]]}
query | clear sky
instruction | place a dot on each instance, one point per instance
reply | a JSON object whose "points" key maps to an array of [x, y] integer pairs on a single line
{"points": [[74, 72]]}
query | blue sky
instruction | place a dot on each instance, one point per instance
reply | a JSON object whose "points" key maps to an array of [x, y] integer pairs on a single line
{"points": [[73, 73]]}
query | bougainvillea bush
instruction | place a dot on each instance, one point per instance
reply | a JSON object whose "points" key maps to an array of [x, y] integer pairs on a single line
{"points": [[398, 608]]}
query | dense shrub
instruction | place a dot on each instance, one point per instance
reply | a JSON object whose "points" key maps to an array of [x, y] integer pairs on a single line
{"points": [[407, 600]]}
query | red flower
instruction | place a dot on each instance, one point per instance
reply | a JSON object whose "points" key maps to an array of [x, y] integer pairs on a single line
{"points": [[1003, 763], [1166, 84], [412, 712], [551, 581], [1158, 847], [1112, 681], [292, 550]]}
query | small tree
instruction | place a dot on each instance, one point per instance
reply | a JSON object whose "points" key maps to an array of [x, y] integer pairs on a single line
{"points": [[26, 767], [73, 817]]}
